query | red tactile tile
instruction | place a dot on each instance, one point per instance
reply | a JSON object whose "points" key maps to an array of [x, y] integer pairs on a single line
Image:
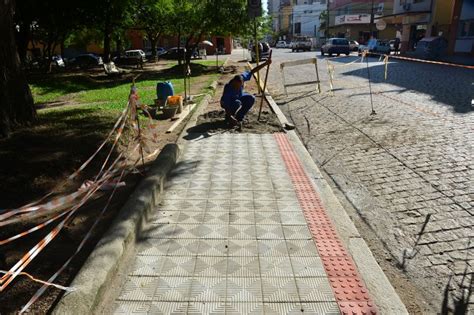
{"points": [[322, 231], [358, 308], [350, 291]]}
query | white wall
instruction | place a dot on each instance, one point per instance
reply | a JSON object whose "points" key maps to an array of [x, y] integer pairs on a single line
{"points": [[308, 16]]}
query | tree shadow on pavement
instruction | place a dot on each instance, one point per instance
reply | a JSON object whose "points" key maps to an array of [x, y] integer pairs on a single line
{"points": [[447, 85]]}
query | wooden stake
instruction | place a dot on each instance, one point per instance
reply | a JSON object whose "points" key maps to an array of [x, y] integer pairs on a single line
{"points": [[264, 86]]}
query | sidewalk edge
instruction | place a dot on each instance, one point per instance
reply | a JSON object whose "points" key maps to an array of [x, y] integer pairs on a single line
{"points": [[106, 260], [380, 288]]}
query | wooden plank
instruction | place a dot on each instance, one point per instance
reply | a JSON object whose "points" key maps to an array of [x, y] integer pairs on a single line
{"points": [[298, 62], [186, 111], [302, 83]]}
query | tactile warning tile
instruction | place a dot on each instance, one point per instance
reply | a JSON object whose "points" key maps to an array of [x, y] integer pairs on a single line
{"points": [[348, 288], [358, 308], [330, 247], [338, 267]]}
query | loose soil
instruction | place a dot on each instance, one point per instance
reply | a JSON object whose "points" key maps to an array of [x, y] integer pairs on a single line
{"points": [[212, 121], [36, 160]]}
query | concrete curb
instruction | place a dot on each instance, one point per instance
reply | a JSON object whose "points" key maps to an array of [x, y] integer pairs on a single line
{"points": [[96, 275], [380, 288]]}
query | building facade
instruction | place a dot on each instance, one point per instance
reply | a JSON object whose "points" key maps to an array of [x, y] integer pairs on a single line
{"points": [[296, 17], [352, 19], [461, 35], [306, 18], [451, 19], [273, 9]]}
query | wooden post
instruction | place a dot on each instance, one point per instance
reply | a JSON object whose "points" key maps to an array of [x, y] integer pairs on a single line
{"points": [[264, 86], [257, 54]]}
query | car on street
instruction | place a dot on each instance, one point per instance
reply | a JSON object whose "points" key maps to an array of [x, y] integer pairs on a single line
{"points": [[263, 51], [136, 54], [302, 43], [336, 46], [174, 53], [135, 57], [376, 47], [86, 61], [159, 51], [354, 45], [281, 44]]}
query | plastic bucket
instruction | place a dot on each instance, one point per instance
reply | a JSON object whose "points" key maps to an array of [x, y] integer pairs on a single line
{"points": [[164, 90]]}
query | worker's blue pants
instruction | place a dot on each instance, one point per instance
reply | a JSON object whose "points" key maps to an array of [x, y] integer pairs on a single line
{"points": [[240, 107]]}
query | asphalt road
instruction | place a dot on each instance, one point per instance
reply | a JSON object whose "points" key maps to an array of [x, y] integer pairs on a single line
{"points": [[407, 173]]}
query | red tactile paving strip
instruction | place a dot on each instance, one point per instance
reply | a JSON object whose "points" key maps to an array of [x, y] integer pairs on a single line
{"points": [[349, 289]]}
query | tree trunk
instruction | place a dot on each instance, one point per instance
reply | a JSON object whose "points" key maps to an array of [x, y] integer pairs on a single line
{"points": [[16, 101], [180, 59], [23, 38], [153, 40], [118, 46], [107, 36]]}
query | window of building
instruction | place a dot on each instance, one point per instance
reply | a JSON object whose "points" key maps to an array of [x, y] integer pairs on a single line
{"points": [[466, 28], [297, 28]]}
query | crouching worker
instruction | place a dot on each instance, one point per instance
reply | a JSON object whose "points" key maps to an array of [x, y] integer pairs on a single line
{"points": [[235, 101]]}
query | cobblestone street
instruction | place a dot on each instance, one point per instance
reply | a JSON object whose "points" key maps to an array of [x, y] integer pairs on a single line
{"points": [[408, 170]]}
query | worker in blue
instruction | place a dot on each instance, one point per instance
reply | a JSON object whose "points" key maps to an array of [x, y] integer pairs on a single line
{"points": [[235, 101]]}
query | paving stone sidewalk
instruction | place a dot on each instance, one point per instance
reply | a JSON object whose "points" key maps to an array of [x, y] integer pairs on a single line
{"points": [[229, 238]]}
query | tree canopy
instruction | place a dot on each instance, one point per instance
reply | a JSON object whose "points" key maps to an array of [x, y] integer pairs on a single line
{"points": [[55, 23]]}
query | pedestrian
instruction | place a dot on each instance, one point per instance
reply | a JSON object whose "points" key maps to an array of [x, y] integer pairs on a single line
{"points": [[235, 101], [396, 45]]}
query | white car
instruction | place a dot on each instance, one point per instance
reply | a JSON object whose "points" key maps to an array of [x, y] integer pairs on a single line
{"points": [[135, 53], [281, 44]]}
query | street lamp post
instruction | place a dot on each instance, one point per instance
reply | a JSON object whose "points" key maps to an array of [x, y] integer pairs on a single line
{"points": [[372, 18], [367, 60]]}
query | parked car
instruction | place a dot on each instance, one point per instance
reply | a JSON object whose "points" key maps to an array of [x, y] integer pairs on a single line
{"points": [[174, 53], [336, 46], [431, 47], [135, 57], [135, 54], [354, 45], [301, 43], [263, 51], [375, 46], [159, 51], [86, 61], [281, 44]]}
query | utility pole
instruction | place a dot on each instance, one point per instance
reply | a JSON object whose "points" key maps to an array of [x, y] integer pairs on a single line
{"points": [[367, 59], [372, 18]]}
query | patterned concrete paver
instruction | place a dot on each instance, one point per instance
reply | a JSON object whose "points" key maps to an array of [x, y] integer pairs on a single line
{"points": [[229, 238]]}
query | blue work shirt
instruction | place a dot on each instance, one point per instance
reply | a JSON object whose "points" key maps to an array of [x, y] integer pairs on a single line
{"points": [[230, 95]]}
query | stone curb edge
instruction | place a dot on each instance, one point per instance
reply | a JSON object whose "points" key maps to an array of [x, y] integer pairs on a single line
{"points": [[101, 267], [380, 288], [107, 258]]}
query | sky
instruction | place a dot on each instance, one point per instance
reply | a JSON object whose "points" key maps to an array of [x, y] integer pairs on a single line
{"points": [[264, 4]]}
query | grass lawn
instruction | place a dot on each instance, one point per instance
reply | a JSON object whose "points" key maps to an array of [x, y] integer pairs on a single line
{"points": [[76, 91], [210, 62], [66, 133]]}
